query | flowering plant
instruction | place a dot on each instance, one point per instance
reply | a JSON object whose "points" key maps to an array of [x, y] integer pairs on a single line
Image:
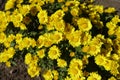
{"points": [[61, 39]]}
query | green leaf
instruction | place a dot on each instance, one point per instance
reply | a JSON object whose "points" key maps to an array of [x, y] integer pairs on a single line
{"points": [[78, 49], [112, 37], [102, 68], [13, 43], [13, 63], [31, 50]]}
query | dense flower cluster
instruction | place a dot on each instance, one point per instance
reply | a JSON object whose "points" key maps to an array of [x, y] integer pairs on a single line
{"points": [[61, 39]]}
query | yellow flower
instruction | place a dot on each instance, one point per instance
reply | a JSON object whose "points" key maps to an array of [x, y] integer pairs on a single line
{"points": [[3, 14], [114, 68], [22, 26], [64, 8], [50, 25], [84, 24], [41, 53], [115, 19], [111, 32], [4, 57], [8, 64], [107, 65], [72, 54], [68, 29], [115, 57], [3, 21], [117, 32], [32, 42], [59, 25], [9, 4], [112, 78], [75, 72], [72, 3], [40, 41], [91, 49], [85, 48], [60, 1], [90, 1], [24, 9], [7, 54], [11, 37], [117, 46], [51, 1], [114, 71], [110, 10], [59, 14], [2, 37], [94, 76], [26, 42], [111, 25], [74, 11], [100, 60], [54, 52], [10, 52], [55, 77], [68, 78], [28, 58], [97, 40], [56, 21], [47, 42], [18, 38], [16, 18], [78, 78], [118, 76], [99, 24], [7, 15], [85, 60], [94, 16], [48, 75], [94, 50], [35, 60], [99, 8], [56, 37], [8, 40], [74, 38], [76, 63], [61, 63], [55, 74], [40, 27], [85, 39], [43, 17], [19, 1], [75, 41], [75, 20], [7, 43], [68, 3], [33, 71]]}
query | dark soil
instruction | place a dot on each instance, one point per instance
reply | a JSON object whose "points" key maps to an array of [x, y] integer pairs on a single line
{"points": [[16, 72], [110, 3], [19, 71]]}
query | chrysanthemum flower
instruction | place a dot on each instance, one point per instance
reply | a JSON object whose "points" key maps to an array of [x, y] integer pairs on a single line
{"points": [[84, 24], [94, 76], [54, 52], [61, 63], [41, 53]]}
